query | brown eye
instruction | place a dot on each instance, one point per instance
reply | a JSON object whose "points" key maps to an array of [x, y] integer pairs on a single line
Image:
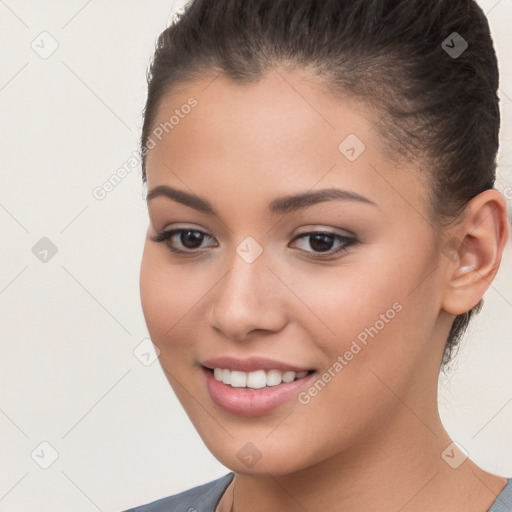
{"points": [[191, 239], [322, 243], [182, 241]]}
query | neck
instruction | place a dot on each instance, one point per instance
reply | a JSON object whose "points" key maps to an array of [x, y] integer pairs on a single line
{"points": [[399, 468]]}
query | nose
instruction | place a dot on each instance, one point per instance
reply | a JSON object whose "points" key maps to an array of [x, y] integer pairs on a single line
{"points": [[248, 298]]}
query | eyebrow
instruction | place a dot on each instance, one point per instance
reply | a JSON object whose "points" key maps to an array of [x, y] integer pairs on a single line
{"points": [[279, 206]]}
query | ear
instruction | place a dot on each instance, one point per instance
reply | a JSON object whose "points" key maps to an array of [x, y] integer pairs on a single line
{"points": [[474, 250]]}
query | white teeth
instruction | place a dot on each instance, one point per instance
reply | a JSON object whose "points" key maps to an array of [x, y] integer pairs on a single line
{"points": [[288, 376], [274, 377], [226, 376], [238, 379], [257, 379]]}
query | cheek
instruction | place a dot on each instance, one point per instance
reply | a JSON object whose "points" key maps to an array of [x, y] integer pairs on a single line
{"points": [[374, 312], [166, 295], [343, 301]]}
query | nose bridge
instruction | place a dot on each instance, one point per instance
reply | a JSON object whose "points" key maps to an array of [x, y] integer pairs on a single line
{"points": [[247, 297]]}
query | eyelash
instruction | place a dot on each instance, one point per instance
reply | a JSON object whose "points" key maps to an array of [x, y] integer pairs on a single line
{"points": [[166, 237]]}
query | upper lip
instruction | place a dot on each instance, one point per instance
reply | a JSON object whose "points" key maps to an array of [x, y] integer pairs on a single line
{"points": [[251, 364]]}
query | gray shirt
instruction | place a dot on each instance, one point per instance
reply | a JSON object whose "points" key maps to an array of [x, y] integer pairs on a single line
{"points": [[206, 497]]}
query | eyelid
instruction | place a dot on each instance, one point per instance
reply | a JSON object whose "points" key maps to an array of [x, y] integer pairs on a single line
{"points": [[320, 228], [166, 234], [347, 242]]}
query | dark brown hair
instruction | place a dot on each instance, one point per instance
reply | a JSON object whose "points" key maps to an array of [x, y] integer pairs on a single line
{"points": [[437, 107]]}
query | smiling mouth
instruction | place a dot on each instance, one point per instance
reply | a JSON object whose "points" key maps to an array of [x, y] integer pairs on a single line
{"points": [[257, 379]]}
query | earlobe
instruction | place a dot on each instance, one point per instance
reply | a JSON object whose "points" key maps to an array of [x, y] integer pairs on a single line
{"points": [[474, 251]]}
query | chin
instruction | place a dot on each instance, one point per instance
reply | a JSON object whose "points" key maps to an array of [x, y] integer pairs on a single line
{"points": [[271, 465], [260, 456]]}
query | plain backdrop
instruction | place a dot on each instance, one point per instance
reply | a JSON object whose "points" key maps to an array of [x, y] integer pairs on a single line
{"points": [[77, 395]]}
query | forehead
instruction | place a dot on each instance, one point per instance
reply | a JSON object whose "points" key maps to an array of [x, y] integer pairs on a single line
{"points": [[269, 117], [284, 133]]}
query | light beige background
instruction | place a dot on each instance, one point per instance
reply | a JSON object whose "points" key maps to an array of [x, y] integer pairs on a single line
{"points": [[68, 327]]}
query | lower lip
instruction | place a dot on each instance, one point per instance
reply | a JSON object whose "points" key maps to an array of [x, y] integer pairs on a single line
{"points": [[252, 402]]}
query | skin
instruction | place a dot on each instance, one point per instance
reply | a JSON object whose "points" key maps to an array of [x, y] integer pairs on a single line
{"points": [[372, 439]]}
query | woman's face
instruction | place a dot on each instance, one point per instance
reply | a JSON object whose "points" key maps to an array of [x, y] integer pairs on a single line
{"points": [[357, 303]]}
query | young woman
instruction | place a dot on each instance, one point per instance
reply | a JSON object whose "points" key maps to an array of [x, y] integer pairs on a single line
{"points": [[323, 225]]}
